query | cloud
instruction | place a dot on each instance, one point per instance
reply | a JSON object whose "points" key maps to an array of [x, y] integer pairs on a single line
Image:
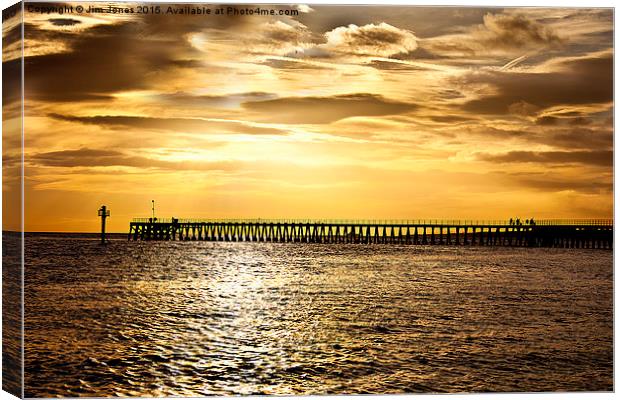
{"points": [[85, 157], [584, 80], [589, 187], [232, 100], [312, 52], [397, 66], [304, 8], [558, 135], [64, 21], [497, 132], [550, 120], [44, 38], [580, 138], [510, 32], [602, 158], [450, 119], [278, 32], [370, 40], [186, 125], [100, 61], [11, 82], [11, 36], [323, 110], [553, 182], [499, 33], [547, 120], [292, 64], [279, 38]]}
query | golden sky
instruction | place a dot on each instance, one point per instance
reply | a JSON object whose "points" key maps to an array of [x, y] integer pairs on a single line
{"points": [[337, 112]]}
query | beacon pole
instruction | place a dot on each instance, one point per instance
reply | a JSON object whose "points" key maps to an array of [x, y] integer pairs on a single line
{"points": [[103, 213]]}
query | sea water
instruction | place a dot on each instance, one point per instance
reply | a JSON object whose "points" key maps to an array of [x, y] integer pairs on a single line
{"points": [[203, 318]]}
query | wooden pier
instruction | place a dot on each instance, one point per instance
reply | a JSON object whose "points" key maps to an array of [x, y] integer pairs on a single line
{"points": [[596, 234]]}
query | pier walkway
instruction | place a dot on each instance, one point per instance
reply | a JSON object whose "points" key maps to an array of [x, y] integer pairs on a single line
{"points": [[592, 233]]}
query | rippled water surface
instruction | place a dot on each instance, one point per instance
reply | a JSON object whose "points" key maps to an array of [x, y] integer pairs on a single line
{"points": [[163, 319]]}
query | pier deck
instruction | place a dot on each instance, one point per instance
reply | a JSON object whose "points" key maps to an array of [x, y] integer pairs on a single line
{"points": [[545, 233]]}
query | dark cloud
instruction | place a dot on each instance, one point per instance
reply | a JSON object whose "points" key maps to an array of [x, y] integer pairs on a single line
{"points": [[553, 182], [554, 134], [549, 120], [515, 32], [11, 160], [579, 121], [34, 33], [449, 94], [396, 66], [85, 157], [72, 158], [579, 138], [185, 125], [11, 36], [596, 39], [578, 81], [217, 101], [102, 60], [498, 33], [70, 96], [291, 65], [496, 133], [187, 63], [323, 110], [276, 38], [11, 82], [278, 32], [602, 158], [569, 114], [589, 187], [450, 119], [421, 53], [64, 21]]}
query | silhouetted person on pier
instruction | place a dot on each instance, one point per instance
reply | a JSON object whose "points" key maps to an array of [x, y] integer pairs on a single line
{"points": [[511, 221], [532, 221]]}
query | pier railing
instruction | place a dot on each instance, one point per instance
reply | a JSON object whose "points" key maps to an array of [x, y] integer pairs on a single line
{"points": [[427, 222]]}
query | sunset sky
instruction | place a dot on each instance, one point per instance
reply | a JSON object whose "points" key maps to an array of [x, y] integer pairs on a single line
{"points": [[339, 112]]}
